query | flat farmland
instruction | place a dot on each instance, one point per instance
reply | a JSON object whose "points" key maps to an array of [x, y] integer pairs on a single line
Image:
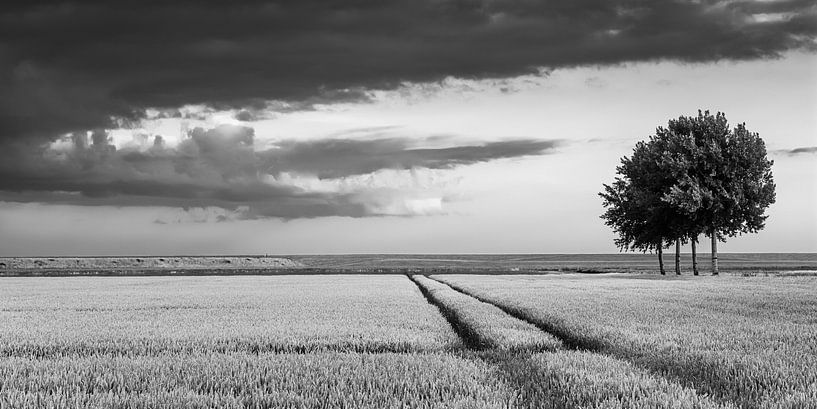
{"points": [[536, 263], [285, 341], [730, 263], [386, 340], [294, 313], [751, 341]]}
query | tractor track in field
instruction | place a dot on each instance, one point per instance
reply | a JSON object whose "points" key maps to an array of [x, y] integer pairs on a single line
{"points": [[570, 341], [469, 337]]}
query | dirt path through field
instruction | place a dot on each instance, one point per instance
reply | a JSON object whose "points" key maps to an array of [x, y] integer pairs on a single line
{"points": [[570, 341], [577, 374]]}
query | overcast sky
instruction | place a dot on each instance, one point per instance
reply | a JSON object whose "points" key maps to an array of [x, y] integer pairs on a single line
{"points": [[475, 126]]}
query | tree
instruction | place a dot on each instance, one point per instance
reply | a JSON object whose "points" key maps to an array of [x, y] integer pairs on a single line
{"points": [[635, 208], [723, 178], [629, 214], [693, 177], [678, 161]]}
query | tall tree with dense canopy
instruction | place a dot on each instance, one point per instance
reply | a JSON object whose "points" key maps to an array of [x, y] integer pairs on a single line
{"points": [[634, 201], [694, 176], [724, 180]]}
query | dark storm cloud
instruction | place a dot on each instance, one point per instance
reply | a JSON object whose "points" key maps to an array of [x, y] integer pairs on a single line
{"points": [[68, 66], [220, 167]]}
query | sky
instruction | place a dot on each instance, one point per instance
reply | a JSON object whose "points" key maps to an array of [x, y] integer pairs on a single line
{"points": [[422, 126]]}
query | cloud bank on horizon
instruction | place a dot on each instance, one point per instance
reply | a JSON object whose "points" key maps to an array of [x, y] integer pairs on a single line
{"points": [[222, 167], [71, 70]]}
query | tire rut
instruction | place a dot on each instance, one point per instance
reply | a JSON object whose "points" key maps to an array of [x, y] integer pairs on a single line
{"points": [[570, 341]]}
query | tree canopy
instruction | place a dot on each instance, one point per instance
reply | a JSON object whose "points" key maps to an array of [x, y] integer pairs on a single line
{"points": [[723, 180], [694, 176], [635, 206]]}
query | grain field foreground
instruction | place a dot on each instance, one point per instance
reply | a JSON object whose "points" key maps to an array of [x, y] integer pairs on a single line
{"points": [[377, 341], [749, 341]]}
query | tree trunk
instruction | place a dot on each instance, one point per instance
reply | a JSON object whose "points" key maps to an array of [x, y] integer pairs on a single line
{"points": [[678, 257], [714, 253], [693, 242], [661, 259]]}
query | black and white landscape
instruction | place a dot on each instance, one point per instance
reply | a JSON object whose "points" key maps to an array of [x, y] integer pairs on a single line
{"points": [[426, 204]]}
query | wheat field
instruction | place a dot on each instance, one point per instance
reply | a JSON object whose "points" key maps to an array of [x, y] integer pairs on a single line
{"points": [[378, 341]]}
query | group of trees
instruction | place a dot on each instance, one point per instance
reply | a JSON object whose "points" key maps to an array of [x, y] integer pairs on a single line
{"points": [[696, 176]]}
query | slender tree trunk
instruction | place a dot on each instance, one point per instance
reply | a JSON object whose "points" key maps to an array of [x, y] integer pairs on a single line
{"points": [[693, 242], [678, 257], [714, 253], [661, 259]]}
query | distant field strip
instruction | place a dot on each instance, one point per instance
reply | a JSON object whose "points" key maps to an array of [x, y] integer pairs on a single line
{"points": [[622, 262], [751, 342], [485, 326], [52, 317]]}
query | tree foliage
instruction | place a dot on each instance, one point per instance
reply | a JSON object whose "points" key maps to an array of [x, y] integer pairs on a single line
{"points": [[723, 180], [634, 201], [694, 176]]}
